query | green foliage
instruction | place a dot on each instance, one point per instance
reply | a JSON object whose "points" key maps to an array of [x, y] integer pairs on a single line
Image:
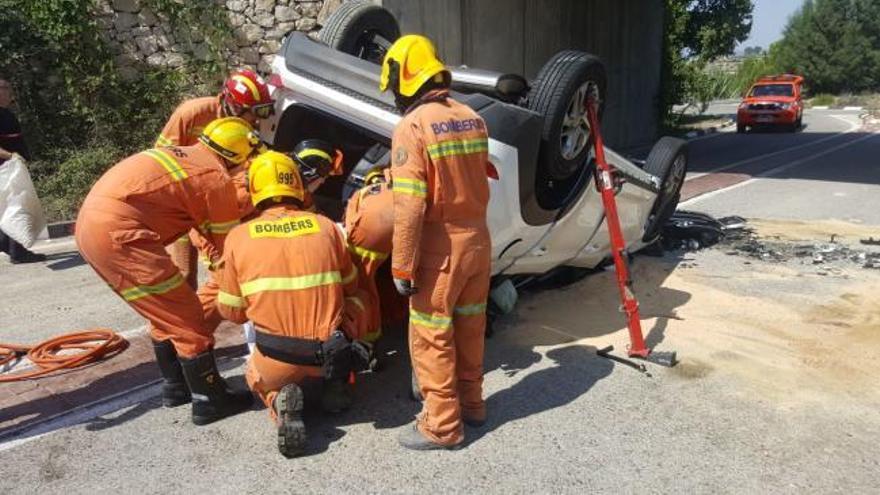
{"points": [[70, 175], [79, 116], [823, 100], [697, 31], [835, 44]]}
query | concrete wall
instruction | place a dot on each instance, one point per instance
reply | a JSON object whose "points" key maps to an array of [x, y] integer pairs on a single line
{"points": [[521, 35]]}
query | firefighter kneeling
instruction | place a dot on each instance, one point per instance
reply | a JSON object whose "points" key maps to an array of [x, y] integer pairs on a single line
{"points": [[289, 272]]}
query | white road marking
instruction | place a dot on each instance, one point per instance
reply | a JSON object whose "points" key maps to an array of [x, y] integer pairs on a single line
{"points": [[853, 127], [778, 170], [80, 414]]}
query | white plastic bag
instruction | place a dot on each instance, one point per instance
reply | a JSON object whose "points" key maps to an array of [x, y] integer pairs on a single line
{"points": [[21, 214]]}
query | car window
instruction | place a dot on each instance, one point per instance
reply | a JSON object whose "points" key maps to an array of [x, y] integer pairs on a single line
{"points": [[773, 90]]}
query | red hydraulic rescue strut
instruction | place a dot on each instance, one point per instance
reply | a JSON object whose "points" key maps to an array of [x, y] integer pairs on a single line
{"points": [[606, 181]]}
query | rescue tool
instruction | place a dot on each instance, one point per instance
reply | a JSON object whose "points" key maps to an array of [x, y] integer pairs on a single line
{"points": [[607, 182]]}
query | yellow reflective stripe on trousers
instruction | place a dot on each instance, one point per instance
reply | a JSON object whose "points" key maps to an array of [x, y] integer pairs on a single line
{"points": [[471, 309], [413, 187], [437, 321], [230, 300], [168, 163], [351, 276], [290, 283], [367, 254], [219, 227], [140, 291], [457, 147]]}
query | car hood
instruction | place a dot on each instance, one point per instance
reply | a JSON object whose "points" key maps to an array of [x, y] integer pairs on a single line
{"points": [[770, 99]]}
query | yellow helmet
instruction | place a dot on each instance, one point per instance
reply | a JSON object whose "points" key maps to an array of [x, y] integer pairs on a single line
{"points": [[230, 137], [410, 62], [274, 175], [376, 174]]}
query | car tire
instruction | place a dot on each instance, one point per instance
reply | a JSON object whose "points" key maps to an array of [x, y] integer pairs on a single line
{"points": [[668, 160], [740, 128], [559, 90], [553, 95], [362, 29]]}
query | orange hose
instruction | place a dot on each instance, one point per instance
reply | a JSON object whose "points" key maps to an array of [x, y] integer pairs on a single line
{"points": [[95, 344]]}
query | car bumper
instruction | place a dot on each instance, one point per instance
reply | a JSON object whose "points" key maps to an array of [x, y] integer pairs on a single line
{"points": [[766, 117]]}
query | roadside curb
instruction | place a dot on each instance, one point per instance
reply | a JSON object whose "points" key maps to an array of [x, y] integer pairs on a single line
{"points": [[827, 107], [709, 130], [61, 229]]}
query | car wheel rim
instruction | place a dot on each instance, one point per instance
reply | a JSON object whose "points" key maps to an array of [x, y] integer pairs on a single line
{"points": [[575, 125]]}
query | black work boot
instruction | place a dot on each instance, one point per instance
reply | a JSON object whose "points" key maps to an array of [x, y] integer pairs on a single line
{"points": [[291, 429], [174, 390], [336, 396], [212, 399], [411, 438]]}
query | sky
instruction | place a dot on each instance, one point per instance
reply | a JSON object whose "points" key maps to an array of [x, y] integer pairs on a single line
{"points": [[768, 21]]}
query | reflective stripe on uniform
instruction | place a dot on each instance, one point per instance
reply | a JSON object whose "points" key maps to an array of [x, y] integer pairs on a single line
{"points": [[230, 300], [367, 254], [457, 147], [290, 283], [184, 239], [140, 291], [351, 276], [372, 336], [168, 163], [471, 309], [219, 227], [413, 187], [437, 321], [163, 141]]}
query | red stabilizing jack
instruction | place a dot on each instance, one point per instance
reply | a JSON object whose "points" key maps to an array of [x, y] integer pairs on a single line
{"points": [[605, 182]]}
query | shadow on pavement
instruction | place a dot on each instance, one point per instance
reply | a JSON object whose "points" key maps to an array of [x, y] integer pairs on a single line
{"points": [[576, 369], [64, 261]]}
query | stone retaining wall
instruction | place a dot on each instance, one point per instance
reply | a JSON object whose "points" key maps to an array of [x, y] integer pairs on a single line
{"points": [[138, 35]]}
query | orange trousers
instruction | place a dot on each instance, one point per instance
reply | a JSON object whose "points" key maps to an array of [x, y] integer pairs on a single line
{"points": [[186, 258], [134, 263], [266, 377], [447, 324]]}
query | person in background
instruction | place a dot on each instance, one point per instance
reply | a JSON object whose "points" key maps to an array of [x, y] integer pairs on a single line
{"points": [[244, 95], [12, 143]]}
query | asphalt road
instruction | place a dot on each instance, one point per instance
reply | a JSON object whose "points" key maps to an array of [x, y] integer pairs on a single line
{"points": [[827, 170], [561, 418]]}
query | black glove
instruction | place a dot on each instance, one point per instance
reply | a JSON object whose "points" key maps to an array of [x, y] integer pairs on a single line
{"points": [[363, 355], [405, 287]]}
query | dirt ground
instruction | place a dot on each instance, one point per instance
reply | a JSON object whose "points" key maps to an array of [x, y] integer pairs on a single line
{"points": [[788, 332]]}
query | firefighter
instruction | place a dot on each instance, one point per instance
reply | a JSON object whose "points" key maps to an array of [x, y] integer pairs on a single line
{"points": [[138, 207], [288, 271], [441, 246], [316, 160], [369, 223], [244, 95]]}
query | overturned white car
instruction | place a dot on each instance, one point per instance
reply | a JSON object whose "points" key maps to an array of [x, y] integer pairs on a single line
{"points": [[544, 211]]}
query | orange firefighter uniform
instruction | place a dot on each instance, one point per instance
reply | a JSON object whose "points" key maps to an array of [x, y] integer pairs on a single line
{"points": [[289, 272], [143, 204], [441, 243], [369, 223], [183, 129]]}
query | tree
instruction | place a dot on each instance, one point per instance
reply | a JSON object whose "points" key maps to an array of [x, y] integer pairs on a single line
{"points": [[753, 51], [835, 44], [697, 31]]}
